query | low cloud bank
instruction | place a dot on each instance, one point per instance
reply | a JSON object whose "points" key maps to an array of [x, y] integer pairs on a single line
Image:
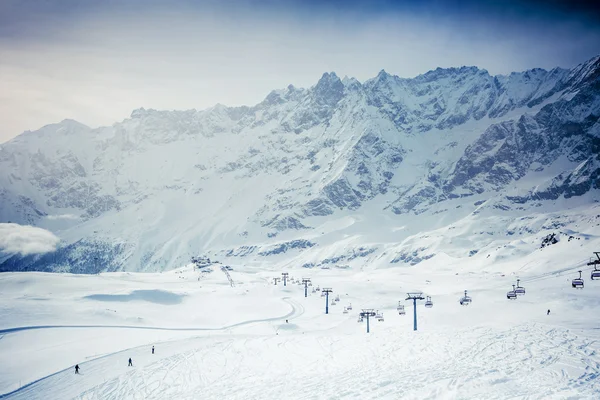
{"points": [[62, 216], [26, 240]]}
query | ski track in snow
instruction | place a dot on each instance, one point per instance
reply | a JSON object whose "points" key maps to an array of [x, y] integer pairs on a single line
{"points": [[297, 310], [512, 362], [27, 328]]}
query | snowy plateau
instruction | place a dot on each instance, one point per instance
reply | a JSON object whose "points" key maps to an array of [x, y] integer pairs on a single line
{"points": [[453, 180]]}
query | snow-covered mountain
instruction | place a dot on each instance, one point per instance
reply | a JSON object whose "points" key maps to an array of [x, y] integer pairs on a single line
{"points": [[344, 174]]}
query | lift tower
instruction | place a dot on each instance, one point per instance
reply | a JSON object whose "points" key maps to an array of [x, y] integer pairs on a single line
{"points": [[366, 313], [326, 291], [305, 281], [414, 297], [285, 276]]}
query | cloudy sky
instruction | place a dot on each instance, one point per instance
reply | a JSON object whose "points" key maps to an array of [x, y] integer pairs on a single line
{"points": [[96, 61]]}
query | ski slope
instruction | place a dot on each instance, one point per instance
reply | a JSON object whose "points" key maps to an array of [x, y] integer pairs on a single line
{"points": [[215, 341]]}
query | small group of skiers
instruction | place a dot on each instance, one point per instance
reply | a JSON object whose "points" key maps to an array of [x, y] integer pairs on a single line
{"points": [[130, 364]]}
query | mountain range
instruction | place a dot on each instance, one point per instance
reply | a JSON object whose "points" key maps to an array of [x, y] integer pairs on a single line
{"points": [[383, 173]]}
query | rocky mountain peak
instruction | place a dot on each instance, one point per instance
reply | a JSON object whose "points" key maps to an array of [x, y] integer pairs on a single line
{"points": [[329, 90], [307, 169]]}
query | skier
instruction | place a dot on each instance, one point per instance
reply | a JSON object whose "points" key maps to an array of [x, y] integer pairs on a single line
{"points": [[152, 349], [130, 363], [77, 369], [548, 313]]}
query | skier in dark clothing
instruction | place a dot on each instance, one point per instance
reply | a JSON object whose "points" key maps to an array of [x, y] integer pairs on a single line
{"points": [[152, 349], [77, 369], [548, 313], [130, 363]]}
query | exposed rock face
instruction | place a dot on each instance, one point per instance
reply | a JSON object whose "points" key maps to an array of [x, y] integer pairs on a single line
{"points": [[155, 189]]}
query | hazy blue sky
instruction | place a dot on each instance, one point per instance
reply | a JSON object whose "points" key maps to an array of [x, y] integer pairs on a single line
{"points": [[95, 61]]}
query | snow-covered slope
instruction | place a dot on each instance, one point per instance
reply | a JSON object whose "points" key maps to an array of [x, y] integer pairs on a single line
{"points": [[215, 341], [343, 173]]}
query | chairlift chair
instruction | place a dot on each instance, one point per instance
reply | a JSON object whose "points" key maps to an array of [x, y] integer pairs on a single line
{"points": [[577, 283], [349, 306], [380, 318], [314, 291], [466, 300], [512, 295], [520, 290], [378, 314], [337, 298], [318, 289], [345, 310], [360, 319], [428, 302], [596, 263], [400, 309], [333, 303]]}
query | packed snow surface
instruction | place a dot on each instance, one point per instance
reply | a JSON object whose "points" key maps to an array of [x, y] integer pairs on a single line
{"points": [[216, 341]]}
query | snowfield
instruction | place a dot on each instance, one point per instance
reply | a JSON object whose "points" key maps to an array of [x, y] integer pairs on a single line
{"points": [[216, 341]]}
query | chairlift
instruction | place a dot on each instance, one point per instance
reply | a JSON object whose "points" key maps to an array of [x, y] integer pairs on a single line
{"points": [[360, 319], [345, 310], [428, 302], [577, 283], [318, 289], [466, 300], [380, 318], [337, 298], [349, 306], [400, 308], [512, 295], [520, 290], [378, 314], [596, 272]]}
